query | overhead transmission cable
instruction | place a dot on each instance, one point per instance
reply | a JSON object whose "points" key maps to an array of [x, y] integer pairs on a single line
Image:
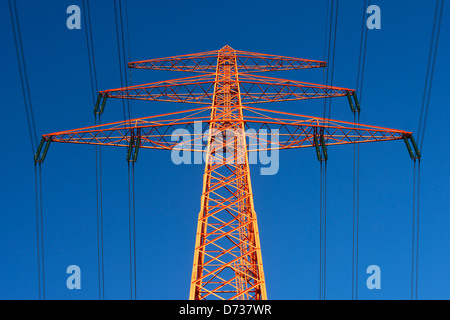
{"points": [[98, 154], [434, 42], [133, 196], [15, 23], [127, 110], [415, 231], [31, 125], [432, 53], [356, 118], [329, 51], [325, 79]]}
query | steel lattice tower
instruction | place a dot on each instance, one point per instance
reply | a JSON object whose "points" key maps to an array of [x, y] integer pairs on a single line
{"points": [[227, 256], [227, 259]]}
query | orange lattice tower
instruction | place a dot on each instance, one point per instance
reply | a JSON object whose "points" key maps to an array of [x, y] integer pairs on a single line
{"points": [[227, 258], [227, 255]]}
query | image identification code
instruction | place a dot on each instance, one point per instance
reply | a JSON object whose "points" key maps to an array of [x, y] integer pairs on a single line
{"points": [[263, 309]]}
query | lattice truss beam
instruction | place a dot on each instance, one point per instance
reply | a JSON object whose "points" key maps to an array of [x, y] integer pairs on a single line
{"points": [[188, 130], [253, 89], [206, 62]]}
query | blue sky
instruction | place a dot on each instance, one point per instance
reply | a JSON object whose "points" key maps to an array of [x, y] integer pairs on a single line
{"points": [[168, 196]]}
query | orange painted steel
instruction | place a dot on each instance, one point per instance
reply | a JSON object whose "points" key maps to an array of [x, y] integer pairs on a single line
{"points": [[246, 62], [227, 254], [294, 131], [200, 90]]}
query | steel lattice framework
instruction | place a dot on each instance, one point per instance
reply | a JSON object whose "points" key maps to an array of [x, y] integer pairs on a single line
{"points": [[227, 256]]}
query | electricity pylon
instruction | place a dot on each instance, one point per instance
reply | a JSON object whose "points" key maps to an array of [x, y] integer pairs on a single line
{"points": [[227, 256]]}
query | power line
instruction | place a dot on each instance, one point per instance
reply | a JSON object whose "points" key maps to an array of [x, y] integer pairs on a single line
{"points": [[418, 224], [90, 48], [98, 161], [362, 52], [437, 21], [323, 229], [42, 231], [329, 51], [15, 23], [334, 53], [434, 42], [132, 196], [99, 199], [325, 75], [128, 38], [132, 230], [31, 125], [415, 232], [320, 234], [325, 46], [121, 50], [121, 54], [134, 235], [355, 218], [39, 231], [356, 162]]}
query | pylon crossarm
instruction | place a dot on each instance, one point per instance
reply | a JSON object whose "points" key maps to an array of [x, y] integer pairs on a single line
{"points": [[258, 89], [205, 62], [253, 89], [151, 136], [269, 130], [259, 62], [278, 135], [189, 130], [196, 89], [197, 62]]}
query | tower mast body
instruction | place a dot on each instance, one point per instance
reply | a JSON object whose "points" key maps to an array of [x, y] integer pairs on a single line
{"points": [[227, 258]]}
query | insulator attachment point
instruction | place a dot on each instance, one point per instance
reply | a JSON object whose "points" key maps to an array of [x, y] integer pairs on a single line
{"points": [[38, 157], [133, 148], [321, 149], [413, 151]]}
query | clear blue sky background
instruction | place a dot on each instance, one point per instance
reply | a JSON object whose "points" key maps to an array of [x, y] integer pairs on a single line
{"points": [[168, 196]]}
